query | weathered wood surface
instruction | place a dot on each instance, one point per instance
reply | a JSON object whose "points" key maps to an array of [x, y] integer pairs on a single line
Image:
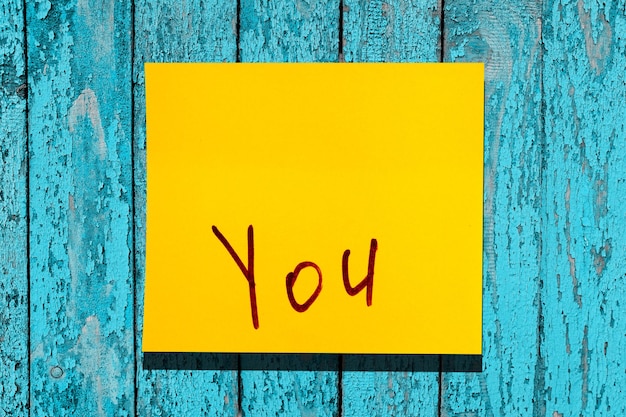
{"points": [[391, 31], [72, 166], [289, 31], [506, 36], [80, 191], [554, 132], [584, 217], [175, 31], [13, 213]]}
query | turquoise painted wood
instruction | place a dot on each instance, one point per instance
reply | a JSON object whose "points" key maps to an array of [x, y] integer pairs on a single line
{"points": [[80, 203], [175, 31], [506, 36], [72, 207], [289, 31], [391, 31], [13, 213], [584, 258]]}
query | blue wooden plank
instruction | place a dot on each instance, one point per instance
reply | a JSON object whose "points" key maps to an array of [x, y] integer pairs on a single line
{"points": [[80, 208], [13, 219], [391, 31], [506, 36], [290, 385], [584, 246], [390, 385], [174, 31], [288, 31]]}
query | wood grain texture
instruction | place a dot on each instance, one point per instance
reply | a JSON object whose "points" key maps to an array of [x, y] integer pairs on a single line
{"points": [[13, 213], [175, 31], [289, 31], [80, 208], [555, 188], [506, 36], [390, 385], [391, 31], [584, 256]]}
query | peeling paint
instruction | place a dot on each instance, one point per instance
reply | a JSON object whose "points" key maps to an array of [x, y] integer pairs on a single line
{"points": [[79, 123], [598, 50], [584, 364], [585, 114], [98, 364], [554, 102], [14, 308], [86, 104], [601, 256], [42, 7], [508, 37], [568, 239]]}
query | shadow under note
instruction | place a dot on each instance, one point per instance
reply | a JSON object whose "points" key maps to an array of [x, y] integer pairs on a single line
{"points": [[311, 362]]}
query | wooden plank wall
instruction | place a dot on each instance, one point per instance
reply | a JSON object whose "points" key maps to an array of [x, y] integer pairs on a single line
{"points": [[507, 36], [13, 208], [72, 207]]}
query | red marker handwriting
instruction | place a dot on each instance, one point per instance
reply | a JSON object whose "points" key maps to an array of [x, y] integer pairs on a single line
{"points": [[248, 273]]}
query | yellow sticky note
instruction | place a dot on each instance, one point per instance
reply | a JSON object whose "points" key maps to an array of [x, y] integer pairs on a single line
{"points": [[320, 208]]}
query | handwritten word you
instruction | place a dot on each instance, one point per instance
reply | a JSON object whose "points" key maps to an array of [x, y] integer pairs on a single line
{"points": [[248, 273]]}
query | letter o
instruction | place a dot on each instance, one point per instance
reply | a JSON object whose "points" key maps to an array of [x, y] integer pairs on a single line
{"points": [[291, 281]]}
